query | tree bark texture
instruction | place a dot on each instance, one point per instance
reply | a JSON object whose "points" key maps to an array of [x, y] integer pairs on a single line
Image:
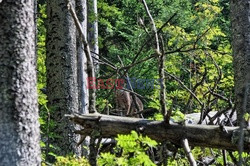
{"points": [[62, 84], [19, 126], [240, 13], [197, 135], [93, 32], [81, 10]]}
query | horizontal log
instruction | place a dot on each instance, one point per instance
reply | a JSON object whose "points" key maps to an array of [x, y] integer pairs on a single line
{"points": [[198, 135]]}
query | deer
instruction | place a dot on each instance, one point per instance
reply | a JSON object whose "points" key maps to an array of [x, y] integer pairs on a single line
{"points": [[124, 101]]}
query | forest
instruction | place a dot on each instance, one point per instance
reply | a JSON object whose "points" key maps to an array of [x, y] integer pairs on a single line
{"points": [[124, 82]]}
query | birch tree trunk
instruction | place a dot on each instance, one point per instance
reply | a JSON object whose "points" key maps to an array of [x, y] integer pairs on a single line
{"points": [[62, 84], [19, 127]]}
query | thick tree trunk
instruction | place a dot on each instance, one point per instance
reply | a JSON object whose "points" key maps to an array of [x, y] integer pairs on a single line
{"points": [[197, 135], [240, 13], [19, 126], [62, 84]]}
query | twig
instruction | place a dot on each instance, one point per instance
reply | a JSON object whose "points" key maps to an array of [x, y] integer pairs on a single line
{"points": [[218, 78], [104, 60], [153, 27], [195, 87], [138, 62], [150, 38], [105, 63], [185, 87]]}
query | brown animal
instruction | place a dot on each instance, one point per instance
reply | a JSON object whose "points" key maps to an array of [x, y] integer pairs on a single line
{"points": [[124, 101]]}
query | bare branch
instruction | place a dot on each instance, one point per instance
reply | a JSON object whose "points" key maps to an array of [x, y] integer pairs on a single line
{"points": [[153, 27], [188, 152], [185, 87], [150, 38]]}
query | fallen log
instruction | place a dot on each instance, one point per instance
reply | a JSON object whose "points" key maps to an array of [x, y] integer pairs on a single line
{"points": [[212, 136]]}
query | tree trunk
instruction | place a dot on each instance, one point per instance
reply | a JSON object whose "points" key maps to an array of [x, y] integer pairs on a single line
{"points": [[240, 13], [93, 32], [62, 84], [81, 10], [241, 51], [19, 126], [198, 135]]}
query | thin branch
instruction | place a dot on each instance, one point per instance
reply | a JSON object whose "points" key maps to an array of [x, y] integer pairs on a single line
{"points": [[188, 152], [138, 62], [219, 75], [179, 50], [105, 63], [185, 87], [150, 38], [195, 87], [218, 79], [130, 91], [153, 27], [161, 68]]}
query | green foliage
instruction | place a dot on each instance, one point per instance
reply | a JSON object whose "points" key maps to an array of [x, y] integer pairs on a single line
{"points": [[41, 50], [133, 151], [71, 161], [41, 69], [197, 45], [121, 34], [245, 157]]}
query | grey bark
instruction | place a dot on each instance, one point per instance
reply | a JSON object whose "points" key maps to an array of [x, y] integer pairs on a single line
{"points": [[93, 32], [90, 68], [62, 84], [81, 10], [19, 127], [240, 13], [198, 135]]}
